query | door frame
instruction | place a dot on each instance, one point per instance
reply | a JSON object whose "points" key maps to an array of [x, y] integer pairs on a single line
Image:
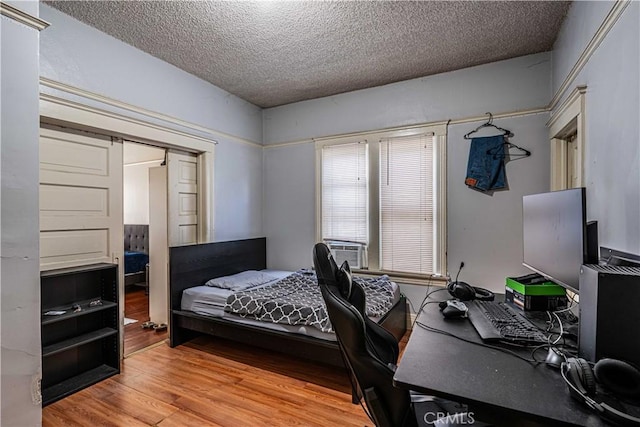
{"points": [[568, 119], [62, 112]]}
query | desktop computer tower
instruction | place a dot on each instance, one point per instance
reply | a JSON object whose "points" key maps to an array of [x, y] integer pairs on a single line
{"points": [[609, 313]]}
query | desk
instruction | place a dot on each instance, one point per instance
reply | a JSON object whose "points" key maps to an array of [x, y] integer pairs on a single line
{"points": [[499, 388]]}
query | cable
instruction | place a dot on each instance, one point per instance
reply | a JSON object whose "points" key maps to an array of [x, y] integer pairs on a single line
{"points": [[425, 302], [561, 328], [426, 296]]}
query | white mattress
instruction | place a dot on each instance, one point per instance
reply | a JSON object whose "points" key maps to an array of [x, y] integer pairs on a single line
{"points": [[210, 301]]}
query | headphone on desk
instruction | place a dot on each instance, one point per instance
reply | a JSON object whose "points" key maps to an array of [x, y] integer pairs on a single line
{"points": [[465, 292], [619, 377]]}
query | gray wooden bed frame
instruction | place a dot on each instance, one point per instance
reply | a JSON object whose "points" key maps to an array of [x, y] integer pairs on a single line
{"points": [[193, 265], [136, 238]]}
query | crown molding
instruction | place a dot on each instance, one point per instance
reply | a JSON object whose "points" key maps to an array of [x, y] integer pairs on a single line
{"points": [[63, 87], [607, 24], [566, 104], [22, 17], [419, 125], [65, 111]]}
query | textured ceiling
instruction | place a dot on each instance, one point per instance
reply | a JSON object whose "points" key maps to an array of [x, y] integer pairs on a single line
{"points": [[277, 52]]}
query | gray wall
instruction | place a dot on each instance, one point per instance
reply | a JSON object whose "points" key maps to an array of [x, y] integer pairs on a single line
{"points": [[612, 163], [81, 56], [75, 54], [78, 55], [484, 231], [20, 277], [505, 86]]}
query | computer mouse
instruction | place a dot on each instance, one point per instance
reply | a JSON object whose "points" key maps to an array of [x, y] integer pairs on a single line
{"points": [[554, 358], [453, 309]]}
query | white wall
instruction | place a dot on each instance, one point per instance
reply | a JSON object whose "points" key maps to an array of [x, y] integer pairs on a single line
{"points": [[135, 192], [78, 55], [504, 86], [612, 164], [484, 230], [289, 205], [238, 191], [579, 26], [81, 56], [20, 278]]}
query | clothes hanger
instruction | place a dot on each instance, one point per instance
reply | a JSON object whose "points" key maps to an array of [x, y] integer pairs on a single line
{"points": [[489, 123], [524, 152], [506, 133]]}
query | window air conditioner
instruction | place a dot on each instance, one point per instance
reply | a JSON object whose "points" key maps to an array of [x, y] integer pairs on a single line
{"points": [[354, 253]]}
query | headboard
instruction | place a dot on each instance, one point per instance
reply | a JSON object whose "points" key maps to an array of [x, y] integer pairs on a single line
{"points": [[136, 237], [193, 265]]}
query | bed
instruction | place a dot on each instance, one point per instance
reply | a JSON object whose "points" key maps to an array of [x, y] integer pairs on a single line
{"points": [[136, 254], [192, 266]]}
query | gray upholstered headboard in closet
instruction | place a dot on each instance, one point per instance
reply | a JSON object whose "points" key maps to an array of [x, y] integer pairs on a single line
{"points": [[136, 237]]}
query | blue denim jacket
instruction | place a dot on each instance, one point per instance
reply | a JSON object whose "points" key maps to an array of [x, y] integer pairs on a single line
{"points": [[485, 168]]}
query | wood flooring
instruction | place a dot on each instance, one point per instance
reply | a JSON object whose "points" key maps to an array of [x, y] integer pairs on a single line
{"points": [[136, 307], [213, 382]]}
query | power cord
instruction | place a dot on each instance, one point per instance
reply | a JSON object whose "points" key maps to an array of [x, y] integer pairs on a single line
{"points": [[424, 303]]}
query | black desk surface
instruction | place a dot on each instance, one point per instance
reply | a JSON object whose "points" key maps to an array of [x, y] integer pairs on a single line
{"points": [[499, 388]]}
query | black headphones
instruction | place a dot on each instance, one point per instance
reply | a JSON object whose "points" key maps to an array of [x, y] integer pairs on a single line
{"points": [[465, 292], [619, 377]]}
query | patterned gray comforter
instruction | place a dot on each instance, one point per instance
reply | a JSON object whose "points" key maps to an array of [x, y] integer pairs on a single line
{"points": [[297, 300]]}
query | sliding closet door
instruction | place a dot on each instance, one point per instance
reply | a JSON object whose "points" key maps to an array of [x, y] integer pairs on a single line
{"points": [[182, 194], [80, 199]]}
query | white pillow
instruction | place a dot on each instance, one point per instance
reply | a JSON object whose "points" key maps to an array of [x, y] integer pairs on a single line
{"points": [[241, 281]]}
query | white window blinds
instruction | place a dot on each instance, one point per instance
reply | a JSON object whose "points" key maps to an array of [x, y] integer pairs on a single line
{"points": [[407, 228], [345, 192]]}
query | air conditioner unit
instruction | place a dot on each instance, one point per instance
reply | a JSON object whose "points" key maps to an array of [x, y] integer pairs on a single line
{"points": [[354, 253]]}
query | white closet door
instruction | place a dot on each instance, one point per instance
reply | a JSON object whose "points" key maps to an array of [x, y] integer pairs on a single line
{"points": [[80, 199], [182, 195]]}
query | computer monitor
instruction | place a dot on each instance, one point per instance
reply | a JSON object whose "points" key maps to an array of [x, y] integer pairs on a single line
{"points": [[555, 235]]}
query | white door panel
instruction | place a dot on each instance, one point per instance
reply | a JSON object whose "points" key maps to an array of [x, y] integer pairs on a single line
{"points": [[80, 199], [158, 251], [182, 200]]}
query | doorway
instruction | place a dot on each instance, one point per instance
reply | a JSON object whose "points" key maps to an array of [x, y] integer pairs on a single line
{"points": [[139, 331], [567, 137]]}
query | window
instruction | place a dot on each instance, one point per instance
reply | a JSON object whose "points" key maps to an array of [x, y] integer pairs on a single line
{"points": [[384, 192], [345, 192]]}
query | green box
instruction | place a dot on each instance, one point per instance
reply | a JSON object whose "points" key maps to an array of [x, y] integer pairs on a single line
{"points": [[531, 293]]}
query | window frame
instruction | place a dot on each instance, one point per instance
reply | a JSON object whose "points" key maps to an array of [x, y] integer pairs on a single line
{"points": [[439, 131]]}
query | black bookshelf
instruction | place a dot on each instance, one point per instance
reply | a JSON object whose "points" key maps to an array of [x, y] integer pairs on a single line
{"points": [[80, 330]]}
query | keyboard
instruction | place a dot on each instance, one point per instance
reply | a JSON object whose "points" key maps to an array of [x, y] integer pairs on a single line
{"points": [[497, 321]]}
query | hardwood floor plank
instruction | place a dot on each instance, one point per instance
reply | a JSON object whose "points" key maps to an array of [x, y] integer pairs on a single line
{"points": [[143, 407], [86, 411], [186, 419], [293, 404], [163, 390], [57, 418], [221, 412]]}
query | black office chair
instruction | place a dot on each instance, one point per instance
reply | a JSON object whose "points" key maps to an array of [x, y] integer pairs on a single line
{"points": [[370, 354]]}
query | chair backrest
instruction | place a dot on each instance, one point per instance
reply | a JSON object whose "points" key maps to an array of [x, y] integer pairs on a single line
{"points": [[370, 351]]}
